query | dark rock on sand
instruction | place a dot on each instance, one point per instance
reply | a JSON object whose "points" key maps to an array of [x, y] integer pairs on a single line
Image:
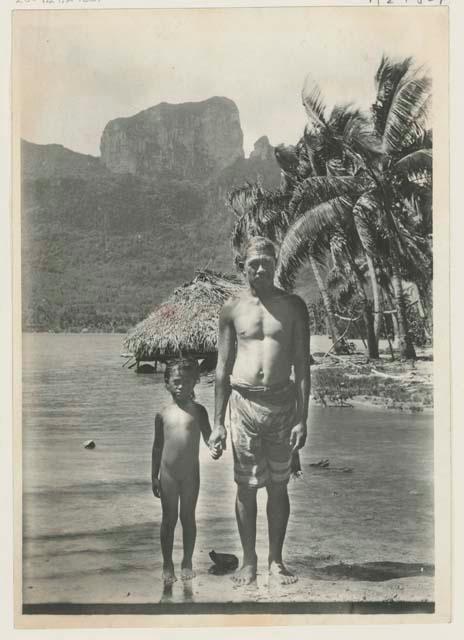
{"points": [[223, 563], [321, 463], [89, 444]]}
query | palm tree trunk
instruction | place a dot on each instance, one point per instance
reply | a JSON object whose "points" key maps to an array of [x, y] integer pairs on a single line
{"points": [[327, 302], [377, 298], [405, 345], [394, 319], [372, 342]]}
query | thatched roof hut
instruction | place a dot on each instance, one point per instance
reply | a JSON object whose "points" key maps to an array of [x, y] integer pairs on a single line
{"points": [[187, 323]]}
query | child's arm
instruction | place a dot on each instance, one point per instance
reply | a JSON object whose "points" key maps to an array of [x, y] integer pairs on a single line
{"points": [[205, 429], [156, 454]]}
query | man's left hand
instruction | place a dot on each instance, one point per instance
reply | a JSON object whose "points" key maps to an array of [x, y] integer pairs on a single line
{"points": [[298, 436]]}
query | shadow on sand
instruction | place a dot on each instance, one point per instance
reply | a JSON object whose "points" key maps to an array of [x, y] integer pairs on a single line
{"points": [[372, 571]]}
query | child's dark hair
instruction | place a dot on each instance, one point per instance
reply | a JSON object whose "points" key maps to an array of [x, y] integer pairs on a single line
{"points": [[187, 366]]}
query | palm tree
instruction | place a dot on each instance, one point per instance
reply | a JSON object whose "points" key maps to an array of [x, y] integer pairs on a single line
{"points": [[363, 180], [405, 166], [335, 147], [392, 158]]}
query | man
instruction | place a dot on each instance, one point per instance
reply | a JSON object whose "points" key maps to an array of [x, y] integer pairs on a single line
{"points": [[263, 333]]}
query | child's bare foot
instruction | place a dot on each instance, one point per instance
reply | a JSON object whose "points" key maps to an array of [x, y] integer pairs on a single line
{"points": [[187, 573], [278, 572], [245, 575], [168, 574]]}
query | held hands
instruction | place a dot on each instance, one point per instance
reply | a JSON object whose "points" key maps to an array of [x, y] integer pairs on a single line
{"points": [[216, 452], [217, 441], [298, 436], [156, 487]]}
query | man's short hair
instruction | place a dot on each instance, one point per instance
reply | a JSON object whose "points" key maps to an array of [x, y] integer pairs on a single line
{"points": [[260, 244]]}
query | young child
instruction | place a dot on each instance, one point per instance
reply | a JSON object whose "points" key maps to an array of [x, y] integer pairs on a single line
{"points": [[175, 465]]}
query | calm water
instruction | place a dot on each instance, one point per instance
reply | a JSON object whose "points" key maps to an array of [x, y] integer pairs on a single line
{"points": [[90, 515]]}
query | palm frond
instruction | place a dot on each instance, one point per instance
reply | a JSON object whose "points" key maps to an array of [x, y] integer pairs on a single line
{"points": [[342, 286], [389, 74], [318, 189], [335, 278], [241, 199], [359, 139], [313, 102], [419, 161], [309, 235], [407, 116], [391, 71], [366, 213], [258, 212]]}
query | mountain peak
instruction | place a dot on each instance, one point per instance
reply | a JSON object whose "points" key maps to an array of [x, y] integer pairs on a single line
{"points": [[191, 139], [262, 149]]}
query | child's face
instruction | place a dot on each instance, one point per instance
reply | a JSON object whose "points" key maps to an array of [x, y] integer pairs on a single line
{"points": [[180, 385]]}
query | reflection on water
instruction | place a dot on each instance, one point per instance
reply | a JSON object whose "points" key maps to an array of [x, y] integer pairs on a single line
{"points": [[91, 524], [188, 591], [167, 592]]}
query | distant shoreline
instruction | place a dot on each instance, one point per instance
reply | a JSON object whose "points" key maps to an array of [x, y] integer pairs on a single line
{"points": [[351, 381]]}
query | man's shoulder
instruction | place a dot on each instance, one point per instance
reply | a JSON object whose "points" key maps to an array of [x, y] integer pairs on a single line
{"points": [[292, 299], [231, 303]]}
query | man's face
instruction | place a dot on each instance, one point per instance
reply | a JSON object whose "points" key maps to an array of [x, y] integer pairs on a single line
{"points": [[260, 269]]}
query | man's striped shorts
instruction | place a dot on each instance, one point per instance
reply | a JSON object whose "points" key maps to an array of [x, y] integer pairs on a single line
{"points": [[261, 419]]}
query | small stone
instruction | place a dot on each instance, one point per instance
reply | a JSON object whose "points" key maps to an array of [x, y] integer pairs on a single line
{"points": [[89, 444]]}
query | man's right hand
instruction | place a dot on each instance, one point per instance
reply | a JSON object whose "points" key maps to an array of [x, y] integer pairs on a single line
{"points": [[156, 487], [218, 437]]}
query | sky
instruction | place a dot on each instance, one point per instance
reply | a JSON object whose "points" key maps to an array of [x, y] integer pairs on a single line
{"points": [[76, 70]]}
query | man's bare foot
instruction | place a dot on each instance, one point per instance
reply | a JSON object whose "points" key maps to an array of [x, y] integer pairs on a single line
{"points": [[278, 572], [168, 574], [187, 573], [245, 575]]}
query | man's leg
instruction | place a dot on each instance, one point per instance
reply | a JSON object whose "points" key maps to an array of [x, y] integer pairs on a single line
{"points": [[278, 511], [245, 511]]}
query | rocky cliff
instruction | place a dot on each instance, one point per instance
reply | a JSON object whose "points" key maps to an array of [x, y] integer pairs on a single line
{"points": [[194, 140]]}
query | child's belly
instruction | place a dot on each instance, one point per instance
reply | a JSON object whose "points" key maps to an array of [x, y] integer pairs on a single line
{"points": [[180, 456]]}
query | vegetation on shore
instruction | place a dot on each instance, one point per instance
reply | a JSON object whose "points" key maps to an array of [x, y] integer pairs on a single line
{"points": [[388, 387]]}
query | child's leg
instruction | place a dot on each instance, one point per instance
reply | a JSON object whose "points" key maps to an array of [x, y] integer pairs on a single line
{"points": [[188, 502], [169, 502]]}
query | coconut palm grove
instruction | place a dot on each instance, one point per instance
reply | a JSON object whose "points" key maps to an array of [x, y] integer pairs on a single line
{"points": [[355, 205]]}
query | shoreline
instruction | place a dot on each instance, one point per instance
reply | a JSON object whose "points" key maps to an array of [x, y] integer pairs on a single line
{"points": [[372, 405], [348, 381]]}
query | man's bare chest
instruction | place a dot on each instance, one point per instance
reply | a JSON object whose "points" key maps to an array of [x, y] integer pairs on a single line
{"points": [[256, 322]]}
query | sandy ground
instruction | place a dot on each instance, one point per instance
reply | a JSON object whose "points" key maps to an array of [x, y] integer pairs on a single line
{"points": [[144, 587]]}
